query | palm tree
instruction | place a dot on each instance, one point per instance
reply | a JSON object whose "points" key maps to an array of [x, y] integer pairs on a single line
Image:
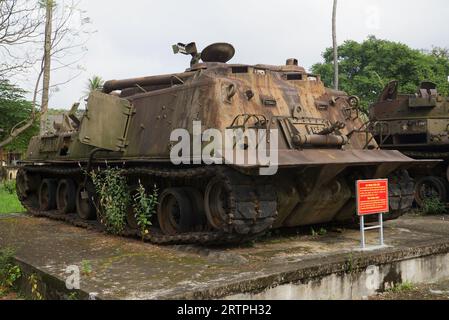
{"points": [[94, 84], [335, 45]]}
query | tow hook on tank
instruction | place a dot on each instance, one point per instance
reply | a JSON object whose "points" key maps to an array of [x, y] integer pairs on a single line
{"points": [[230, 90]]}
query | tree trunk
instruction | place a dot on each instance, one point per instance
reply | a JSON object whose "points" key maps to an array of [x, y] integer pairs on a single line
{"points": [[47, 65], [335, 45]]}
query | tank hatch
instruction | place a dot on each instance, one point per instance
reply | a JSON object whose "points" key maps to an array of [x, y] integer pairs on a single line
{"points": [[105, 124]]}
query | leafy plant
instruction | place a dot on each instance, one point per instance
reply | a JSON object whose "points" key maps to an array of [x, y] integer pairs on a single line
{"points": [[86, 267], [94, 84], [14, 108], [432, 206], [9, 186], [321, 232], [402, 287], [112, 189], [36, 294], [73, 296], [9, 272], [144, 208]]}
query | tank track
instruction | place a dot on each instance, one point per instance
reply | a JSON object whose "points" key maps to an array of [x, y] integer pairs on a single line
{"points": [[257, 200]]}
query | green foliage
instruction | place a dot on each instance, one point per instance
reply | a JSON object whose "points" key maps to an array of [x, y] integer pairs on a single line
{"points": [[9, 272], [94, 84], [144, 207], [9, 203], [86, 267], [9, 186], [365, 68], [114, 196], [402, 287], [432, 206], [73, 296], [115, 199], [14, 108], [34, 284], [47, 3], [321, 232]]}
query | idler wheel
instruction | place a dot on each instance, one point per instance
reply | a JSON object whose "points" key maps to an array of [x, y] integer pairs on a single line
{"points": [[216, 204], [47, 195], [175, 214], [430, 187], [85, 206], [66, 196]]}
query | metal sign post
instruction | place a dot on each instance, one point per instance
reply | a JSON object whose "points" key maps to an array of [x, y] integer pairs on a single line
{"points": [[372, 198], [380, 227]]}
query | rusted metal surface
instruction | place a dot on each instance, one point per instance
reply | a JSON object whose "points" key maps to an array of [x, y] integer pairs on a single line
{"points": [[412, 122], [418, 125], [314, 157], [170, 79], [323, 148]]}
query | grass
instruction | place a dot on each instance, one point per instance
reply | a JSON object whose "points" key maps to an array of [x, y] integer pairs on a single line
{"points": [[433, 206], [9, 203], [402, 287]]}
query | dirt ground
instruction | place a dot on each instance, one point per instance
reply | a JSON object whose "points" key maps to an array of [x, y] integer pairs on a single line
{"points": [[436, 291], [4, 295]]}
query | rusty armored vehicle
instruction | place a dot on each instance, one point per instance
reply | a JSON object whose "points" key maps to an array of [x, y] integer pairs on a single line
{"points": [[417, 125], [321, 152]]}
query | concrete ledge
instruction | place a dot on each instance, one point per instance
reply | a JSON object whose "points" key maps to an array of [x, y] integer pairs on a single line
{"points": [[49, 286], [296, 267], [356, 277]]}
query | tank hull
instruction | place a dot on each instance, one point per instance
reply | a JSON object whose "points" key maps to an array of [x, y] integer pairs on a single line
{"points": [[156, 131], [417, 126], [310, 187]]}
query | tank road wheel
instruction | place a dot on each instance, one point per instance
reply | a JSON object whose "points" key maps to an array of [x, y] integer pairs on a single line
{"points": [[84, 204], [430, 187], [131, 219], [199, 214], [216, 204], [47, 195], [66, 196], [175, 213]]}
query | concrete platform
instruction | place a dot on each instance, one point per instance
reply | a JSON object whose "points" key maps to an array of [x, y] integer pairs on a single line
{"points": [[281, 267]]}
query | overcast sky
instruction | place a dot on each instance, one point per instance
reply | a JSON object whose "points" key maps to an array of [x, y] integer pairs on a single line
{"points": [[134, 37]]}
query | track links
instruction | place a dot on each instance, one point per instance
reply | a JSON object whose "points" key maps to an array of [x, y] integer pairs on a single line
{"points": [[252, 210]]}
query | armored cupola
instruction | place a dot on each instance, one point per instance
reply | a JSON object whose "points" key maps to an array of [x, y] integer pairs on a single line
{"points": [[218, 52]]}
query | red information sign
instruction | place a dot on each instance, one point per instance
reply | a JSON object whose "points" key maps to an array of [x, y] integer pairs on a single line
{"points": [[372, 197]]}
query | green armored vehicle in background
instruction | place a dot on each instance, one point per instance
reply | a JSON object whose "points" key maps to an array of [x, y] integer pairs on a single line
{"points": [[319, 155], [418, 126]]}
